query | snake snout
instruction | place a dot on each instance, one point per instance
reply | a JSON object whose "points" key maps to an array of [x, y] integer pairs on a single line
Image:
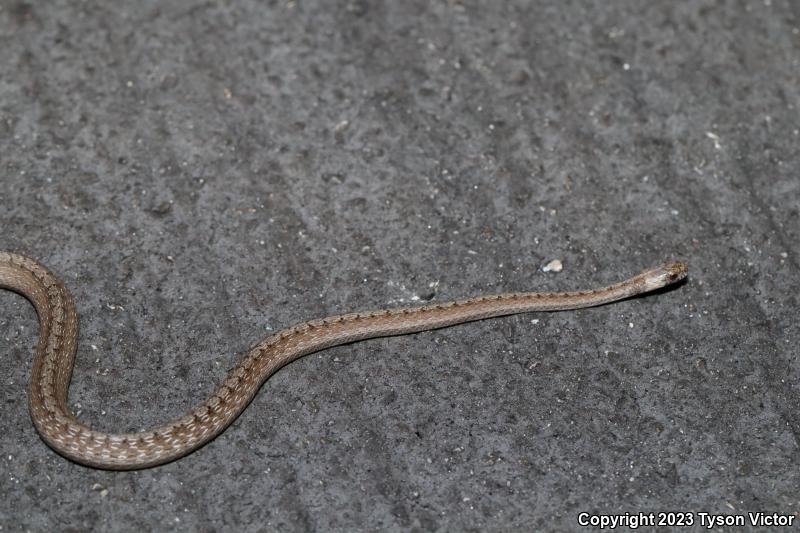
{"points": [[664, 275], [677, 271]]}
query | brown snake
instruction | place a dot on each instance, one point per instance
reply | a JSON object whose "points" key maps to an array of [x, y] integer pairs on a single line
{"points": [[58, 335]]}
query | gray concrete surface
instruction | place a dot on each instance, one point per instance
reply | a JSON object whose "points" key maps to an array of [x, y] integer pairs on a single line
{"points": [[204, 173]]}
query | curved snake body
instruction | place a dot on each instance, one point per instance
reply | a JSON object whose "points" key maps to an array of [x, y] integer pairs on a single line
{"points": [[58, 334]]}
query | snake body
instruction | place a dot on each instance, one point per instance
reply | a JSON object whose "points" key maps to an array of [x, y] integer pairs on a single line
{"points": [[58, 335]]}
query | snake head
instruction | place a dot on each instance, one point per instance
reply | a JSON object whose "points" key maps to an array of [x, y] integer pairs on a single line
{"points": [[664, 275]]}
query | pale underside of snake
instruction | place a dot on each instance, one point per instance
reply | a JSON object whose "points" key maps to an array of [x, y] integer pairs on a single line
{"points": [[58, 335]]}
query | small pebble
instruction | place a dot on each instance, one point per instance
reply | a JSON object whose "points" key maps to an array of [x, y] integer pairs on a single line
{"points": [[553, 266]]}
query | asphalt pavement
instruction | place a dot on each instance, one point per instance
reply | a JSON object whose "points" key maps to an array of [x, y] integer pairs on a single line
{"points": [[204, 174]]}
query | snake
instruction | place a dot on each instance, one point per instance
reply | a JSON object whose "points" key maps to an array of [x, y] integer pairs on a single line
{"points": [[55, 351]]}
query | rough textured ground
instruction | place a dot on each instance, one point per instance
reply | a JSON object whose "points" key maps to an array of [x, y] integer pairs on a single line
{"points": [[203, 175]]}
